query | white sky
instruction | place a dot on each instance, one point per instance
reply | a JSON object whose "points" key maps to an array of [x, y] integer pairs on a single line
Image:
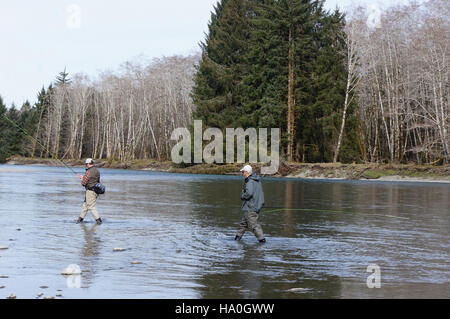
{"points": [[40, 38]]}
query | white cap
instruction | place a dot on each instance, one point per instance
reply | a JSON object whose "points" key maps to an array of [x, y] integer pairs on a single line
{"points": [[247, 168], [89, 161]]}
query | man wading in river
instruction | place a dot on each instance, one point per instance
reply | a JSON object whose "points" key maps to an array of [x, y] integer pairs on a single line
{"points": [[253, 200], [89, 180]]}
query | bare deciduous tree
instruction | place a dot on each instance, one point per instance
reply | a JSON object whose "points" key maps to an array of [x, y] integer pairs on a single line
{"points": [[125, 115], [403, 90]]}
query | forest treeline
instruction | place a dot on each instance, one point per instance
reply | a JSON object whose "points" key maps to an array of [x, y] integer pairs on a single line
{"points": [[343, 88], [125, 115]]}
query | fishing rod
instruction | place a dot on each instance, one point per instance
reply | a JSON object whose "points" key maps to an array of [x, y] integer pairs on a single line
{"points": [[284, 209], [276, 209], [37, 141], [279, 209]]}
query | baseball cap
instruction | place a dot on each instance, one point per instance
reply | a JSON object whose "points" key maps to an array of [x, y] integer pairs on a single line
{"points": [[89, 161], [247, 168]]}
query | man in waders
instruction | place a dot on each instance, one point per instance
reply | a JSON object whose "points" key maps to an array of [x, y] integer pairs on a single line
{"points": [[253, 200], [89, 180]]}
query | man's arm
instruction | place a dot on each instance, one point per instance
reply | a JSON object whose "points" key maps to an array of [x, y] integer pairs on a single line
{"points": [[248, 191], [85, 179]]}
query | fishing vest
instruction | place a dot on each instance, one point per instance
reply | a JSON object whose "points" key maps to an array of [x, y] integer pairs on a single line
{"points": [[94, 177]]}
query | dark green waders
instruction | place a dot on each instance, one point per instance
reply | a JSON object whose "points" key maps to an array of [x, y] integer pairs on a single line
{"points": [[250, 223]]}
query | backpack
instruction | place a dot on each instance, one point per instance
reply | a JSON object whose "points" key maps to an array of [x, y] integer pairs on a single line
{"points": [[99, 188]]}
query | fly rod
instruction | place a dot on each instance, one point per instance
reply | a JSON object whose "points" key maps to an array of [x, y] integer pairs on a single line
{"points": [[278, 209], [283, 209]]}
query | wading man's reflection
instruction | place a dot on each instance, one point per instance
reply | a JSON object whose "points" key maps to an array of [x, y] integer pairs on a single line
{"points": [[89, 253], [251, 274], [242, 277]]}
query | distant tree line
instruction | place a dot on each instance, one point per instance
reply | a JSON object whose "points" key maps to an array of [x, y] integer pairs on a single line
{"points": [[339, 88], [125, 115]]}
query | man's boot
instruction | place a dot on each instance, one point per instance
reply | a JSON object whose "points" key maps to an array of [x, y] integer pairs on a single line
{"points": [[79, 220], [99, 221], [237, 238], [262, 241]]}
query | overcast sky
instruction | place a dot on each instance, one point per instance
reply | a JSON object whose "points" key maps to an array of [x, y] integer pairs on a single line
{"points": [[40, 38]]}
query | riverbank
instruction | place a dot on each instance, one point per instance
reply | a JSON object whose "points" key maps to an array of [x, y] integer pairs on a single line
{"points": [[384, 172]]}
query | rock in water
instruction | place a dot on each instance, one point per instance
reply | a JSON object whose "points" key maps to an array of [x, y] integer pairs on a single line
{"points": [[49, 297], [118, 249], [297, 289], [3, 247], [11, 296], [72, 269]]}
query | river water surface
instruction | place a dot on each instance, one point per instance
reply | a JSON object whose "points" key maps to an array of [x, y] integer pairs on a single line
{"points": [[178, 234]]}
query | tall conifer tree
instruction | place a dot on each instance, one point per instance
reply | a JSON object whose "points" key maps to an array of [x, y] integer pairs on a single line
{"points": [[281, 54], [217, 91]]}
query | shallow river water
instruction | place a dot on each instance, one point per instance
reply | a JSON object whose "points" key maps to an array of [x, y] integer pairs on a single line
{"points": [[178, 234]]}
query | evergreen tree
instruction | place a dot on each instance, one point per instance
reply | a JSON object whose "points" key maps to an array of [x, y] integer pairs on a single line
{"points": [[297, 73], [10, 137], [217, 90], [318, 127], [28, 121], [62, 83], [266, 81], [4, 147], [276, 63], [13, 135], [281, 55], [63, 78], [41, 110]]}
